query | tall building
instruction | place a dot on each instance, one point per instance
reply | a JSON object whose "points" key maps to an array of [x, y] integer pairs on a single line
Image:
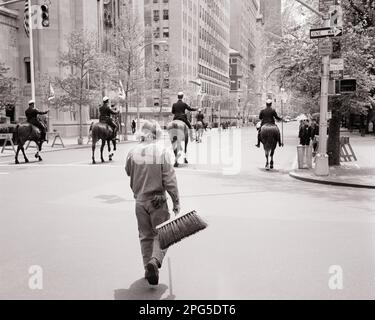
{"points": [[245, 44], [9, 51], [190, 41]]}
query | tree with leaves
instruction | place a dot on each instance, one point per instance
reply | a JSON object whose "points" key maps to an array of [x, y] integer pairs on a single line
{"points": [[299, 65], [85, 68], [128, 44]]}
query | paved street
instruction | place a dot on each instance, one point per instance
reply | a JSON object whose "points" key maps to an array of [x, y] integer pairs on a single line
{"points": [[269, 236]]}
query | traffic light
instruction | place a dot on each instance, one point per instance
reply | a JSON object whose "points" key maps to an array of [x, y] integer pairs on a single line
{"points": [[45, 15], [348, 86]]}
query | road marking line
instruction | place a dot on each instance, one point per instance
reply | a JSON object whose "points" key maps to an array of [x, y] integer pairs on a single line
{"points": [[4, 173]]}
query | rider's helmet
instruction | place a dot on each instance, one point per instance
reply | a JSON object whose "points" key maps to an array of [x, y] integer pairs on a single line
{"points": [[180, 95], [105, 99], [31, 102], [199, 110], [269, 101]]}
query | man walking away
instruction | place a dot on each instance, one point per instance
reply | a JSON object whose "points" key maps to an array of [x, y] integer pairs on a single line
{"points": [[179, 110], [151, 171]]}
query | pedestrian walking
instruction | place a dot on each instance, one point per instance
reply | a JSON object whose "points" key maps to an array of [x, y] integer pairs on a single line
{"points": [[150, 168], [134, 126], [305, 133]]}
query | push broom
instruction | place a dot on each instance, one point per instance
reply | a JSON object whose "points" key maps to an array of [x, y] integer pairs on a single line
{"points": [[179, 228]]}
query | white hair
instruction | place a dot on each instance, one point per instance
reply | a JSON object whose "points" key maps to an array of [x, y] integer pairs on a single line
{"points": [[150, 130]]}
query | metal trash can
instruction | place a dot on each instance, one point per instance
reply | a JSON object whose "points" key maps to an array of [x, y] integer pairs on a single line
{"points": [[301, 156]]}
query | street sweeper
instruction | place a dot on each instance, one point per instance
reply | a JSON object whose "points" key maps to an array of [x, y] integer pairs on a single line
{"points": [[150, 168]]}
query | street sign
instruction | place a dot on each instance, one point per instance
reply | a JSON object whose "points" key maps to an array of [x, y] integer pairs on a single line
{"points": [[325, 32], [336, 69], [325, 47]]}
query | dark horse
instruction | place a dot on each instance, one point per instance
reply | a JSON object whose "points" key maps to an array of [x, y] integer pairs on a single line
{"points": [[27, 132], [102, 131], [178, 133], [269, 136]]}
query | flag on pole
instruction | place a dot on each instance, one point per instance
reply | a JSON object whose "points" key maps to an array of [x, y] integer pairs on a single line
{"points": [[26, 18], [51, 94], [121, 91]]}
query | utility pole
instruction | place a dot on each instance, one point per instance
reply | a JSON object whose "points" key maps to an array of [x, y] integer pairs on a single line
{"points": [[322, 163], [31, 43]]}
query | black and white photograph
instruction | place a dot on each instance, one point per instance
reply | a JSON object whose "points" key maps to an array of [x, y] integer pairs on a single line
{"points": [[205, 151]]}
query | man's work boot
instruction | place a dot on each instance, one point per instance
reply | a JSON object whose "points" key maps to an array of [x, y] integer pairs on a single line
{"points": [[152, 272]]}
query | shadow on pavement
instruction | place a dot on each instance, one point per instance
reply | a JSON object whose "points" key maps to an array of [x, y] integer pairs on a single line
{"points": [[141, 290], [110, 199]]}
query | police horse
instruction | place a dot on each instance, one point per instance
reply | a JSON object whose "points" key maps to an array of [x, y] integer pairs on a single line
{"points": [[269, 136], [27, 132], [102, 131], [199, 128], [178, 133]]}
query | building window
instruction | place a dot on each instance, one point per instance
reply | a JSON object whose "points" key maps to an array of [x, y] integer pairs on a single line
{"points": [[165, 14], [165, 32], [27, 70], [156, 15]]}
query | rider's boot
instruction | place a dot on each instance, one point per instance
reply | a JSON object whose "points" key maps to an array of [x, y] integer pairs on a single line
{"points": [[258, 144]]}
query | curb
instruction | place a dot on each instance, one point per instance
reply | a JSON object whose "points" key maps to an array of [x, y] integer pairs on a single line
{"points": [[330, 182], [77, 147]]}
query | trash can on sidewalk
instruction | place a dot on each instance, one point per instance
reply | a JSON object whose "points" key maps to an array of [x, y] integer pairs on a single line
{"points": [[304, 154], [301, 156]]}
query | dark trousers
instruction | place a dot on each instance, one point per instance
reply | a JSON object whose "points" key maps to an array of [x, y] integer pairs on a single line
{"points": [[148, 219], [184, 119]]}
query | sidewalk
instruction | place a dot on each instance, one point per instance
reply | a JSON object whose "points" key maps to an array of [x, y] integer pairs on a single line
{"points": [[359, 174], [69, 144]]}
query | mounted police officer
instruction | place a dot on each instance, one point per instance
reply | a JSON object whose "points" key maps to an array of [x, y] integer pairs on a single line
{"points": [[32, 117], [268, 116], [179, 110], [200, 117], [105, 115]]}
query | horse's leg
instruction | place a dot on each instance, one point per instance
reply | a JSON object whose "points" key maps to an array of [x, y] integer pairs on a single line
{"points": [[40, 144], [18, 151], [272, 154], [109, 150], [24, 154], [175, 144], [186, 147], [93, 150], [114, 145], [101, 151], [267, 157]]}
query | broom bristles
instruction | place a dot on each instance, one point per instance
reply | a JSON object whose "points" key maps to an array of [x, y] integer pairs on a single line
{"points": [[179, 228]]}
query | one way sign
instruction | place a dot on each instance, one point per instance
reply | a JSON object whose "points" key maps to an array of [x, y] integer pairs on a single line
{"points": [[325, 32]]}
